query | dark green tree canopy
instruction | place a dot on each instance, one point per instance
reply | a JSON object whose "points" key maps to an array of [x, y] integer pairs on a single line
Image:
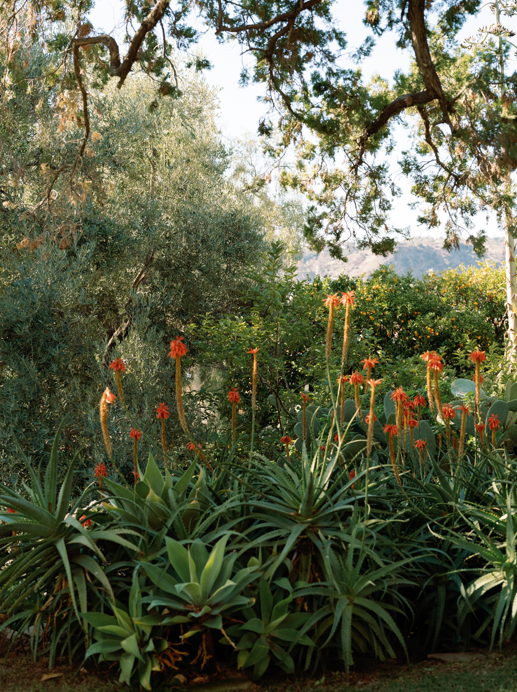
{"points": [[458, 101]]}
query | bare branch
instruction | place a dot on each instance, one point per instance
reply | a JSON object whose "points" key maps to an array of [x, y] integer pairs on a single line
{"points": [[423, 56], [122, 69], [109, 42], [121, 332], [86, 117], [394, 108]]}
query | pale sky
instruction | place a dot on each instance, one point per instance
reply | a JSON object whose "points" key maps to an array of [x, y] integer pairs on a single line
{"points": [[240, 111]]}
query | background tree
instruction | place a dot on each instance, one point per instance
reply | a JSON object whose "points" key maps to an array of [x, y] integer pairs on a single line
{"points": [[150, 236]]}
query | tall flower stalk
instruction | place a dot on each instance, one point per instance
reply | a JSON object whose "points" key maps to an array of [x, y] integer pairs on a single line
{"points": [[399, 396], [347, 300], [494, 424], [391, 431], [162, 412], [419, 402], [421, 445], [342, 380], [412, 424], [427, 357], [100, 473], [357, 379], [477, 358], [332, 302], [369, 364], [286, 440], [106, 398], [119, 366], [464, 413], [305, 399], [480, 427], [448, 414], [135, 435], [436, 366], [234, 398], [371, 417], [177, 351], [253, 352]]}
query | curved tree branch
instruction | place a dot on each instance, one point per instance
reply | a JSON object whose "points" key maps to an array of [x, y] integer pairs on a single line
{"points": [[122, 69], [423, 56], [298, 8]]}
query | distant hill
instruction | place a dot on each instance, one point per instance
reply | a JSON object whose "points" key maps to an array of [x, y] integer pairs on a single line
{"points": [[420, 255]]}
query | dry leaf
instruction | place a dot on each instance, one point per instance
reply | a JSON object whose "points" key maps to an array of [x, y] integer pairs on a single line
{"points": [[96, 136], [50, 676], [180, 678], [84, 29]]}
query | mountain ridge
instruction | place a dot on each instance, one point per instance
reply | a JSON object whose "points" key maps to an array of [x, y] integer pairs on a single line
{"points": [[419, 255]]}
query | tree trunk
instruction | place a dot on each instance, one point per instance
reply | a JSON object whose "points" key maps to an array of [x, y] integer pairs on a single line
{"points": [[511, 289]]}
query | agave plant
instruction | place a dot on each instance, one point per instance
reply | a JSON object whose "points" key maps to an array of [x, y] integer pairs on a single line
{"points": [[308, 499], [129, 637], [270, 626], [495, 590], [198, 586], [184, 507], [46, 548], [354, 574], [157, 501]]}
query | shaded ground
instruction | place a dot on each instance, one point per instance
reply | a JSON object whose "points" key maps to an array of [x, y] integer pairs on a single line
{"points": [[472, 672]]}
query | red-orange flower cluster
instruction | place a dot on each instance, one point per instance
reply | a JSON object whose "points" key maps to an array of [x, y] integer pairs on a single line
{"points": [[85, 522], [477, 356], [118, 364], [399, 395], [493, 422], [356, 378], [135, 434], [419, 400], [348, 298], [332, 301], [178, 348], [109, 397], [162, 411], [101, 471], [233, 396], [448, 412], [391, 430]]}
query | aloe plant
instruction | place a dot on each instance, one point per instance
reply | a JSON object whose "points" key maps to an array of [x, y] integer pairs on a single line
{"points": [[495, 590], [307, 499], [270, 627], [355, 573], [201, 587], [45, 545], [129, 636], [159, 501]]}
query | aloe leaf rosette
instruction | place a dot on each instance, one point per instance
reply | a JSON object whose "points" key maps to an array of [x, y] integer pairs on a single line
{"points": [[129, 636], [197, 587], [44, 540]]}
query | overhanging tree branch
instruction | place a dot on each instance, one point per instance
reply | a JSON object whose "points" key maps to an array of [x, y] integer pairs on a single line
{"points": [[122, 69], [298, 8]]}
